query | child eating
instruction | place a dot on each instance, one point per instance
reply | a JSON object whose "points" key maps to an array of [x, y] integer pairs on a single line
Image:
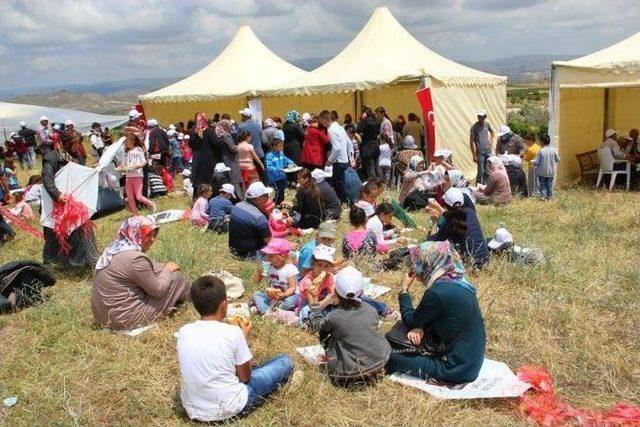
{"points": [[356, 351], [318, 283], [281, 277]]}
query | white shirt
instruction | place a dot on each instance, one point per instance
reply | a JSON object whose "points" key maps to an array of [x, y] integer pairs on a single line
{"points": [[377, 228], [385, 155], [616, 151], [33, 196], [339, 143], [208, 353], [279, 278]]}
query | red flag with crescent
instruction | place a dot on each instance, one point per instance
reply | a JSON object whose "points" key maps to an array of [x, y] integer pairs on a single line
{"points": [[426, 103]]}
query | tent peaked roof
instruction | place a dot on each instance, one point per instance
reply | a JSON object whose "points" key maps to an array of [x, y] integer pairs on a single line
{"points": [[384, 52], [245, 67], [624, 56]]}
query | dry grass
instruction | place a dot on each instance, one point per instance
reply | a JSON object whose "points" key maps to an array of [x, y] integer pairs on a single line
{"points": [[578, 315]]}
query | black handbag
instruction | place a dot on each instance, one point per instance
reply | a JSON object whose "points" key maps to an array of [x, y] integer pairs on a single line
{"points": [[431, 345], [25, 279], [109, 202]]}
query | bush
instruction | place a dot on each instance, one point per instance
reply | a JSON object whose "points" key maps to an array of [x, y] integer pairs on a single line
{"points": [[530, 118]]}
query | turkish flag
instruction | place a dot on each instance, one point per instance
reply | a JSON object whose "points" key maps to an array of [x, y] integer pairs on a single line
{"points": [[424, 98]]}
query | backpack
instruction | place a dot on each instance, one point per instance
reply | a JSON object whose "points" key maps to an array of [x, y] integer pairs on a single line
{"points": [[25, 279]]}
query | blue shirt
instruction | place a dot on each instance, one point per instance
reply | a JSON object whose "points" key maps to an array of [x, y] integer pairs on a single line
{"points": [[255, 131], [275, 162], [248, 228], [305, 254], [218, 207], [175, 148]]}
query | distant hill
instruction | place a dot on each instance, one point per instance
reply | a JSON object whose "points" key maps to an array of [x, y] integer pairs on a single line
{"points": [[117, 97], [520, 69]]}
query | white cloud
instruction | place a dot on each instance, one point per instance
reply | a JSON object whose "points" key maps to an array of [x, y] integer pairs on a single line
{"points": [[81, 41]]}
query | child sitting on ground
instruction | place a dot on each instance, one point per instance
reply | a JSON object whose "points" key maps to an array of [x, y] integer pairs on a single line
{"points": [[281, 224], [376, 224], [281, 277], [360, 242], [185, 150], [219, 208], [157, 187], [199, 215], [187, 185], [318, 283], [33, 190], [22, 209], [356, 351], [368, 195], [10, 171], [276, 162], [217, 379]]}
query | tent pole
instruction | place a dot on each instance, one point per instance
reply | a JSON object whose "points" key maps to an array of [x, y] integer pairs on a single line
{"points": [[605, 120]]}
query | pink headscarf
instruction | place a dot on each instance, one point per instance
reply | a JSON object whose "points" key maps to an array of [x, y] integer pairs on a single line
{"points": [[201, 123], [130, 236]]}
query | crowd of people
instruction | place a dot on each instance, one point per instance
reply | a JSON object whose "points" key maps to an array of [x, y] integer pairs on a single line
{"points": [[236, 175]]}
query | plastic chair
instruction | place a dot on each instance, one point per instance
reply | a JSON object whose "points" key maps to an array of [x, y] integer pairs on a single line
{"points": [[607, 162]]}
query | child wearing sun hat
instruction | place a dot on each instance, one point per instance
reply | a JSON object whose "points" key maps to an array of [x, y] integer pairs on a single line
{"points": [[356, 351]]}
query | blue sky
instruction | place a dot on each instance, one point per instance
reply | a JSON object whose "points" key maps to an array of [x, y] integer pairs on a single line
{"points": [[84, 41]]}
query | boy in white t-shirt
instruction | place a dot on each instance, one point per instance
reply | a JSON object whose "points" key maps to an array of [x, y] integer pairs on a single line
{"points": [[217, 380], [384, 160], [281, 275]]}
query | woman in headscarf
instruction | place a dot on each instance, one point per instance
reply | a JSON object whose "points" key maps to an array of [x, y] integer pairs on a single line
{"points": [[78, 248], [498, 189], [455, 179], [293, 139], [448, 312], [129, 289], [410, 179], [229, 152], [208, 153]]}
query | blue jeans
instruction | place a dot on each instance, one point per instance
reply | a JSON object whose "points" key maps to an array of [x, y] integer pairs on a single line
{"points": [[280, 185], [546, 186], [338, 180], [265, 379], [380, 307], [263, 303], [483, 173]]}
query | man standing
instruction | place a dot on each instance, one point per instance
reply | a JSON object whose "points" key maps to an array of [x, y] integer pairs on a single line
{"points": [[509, 142], [369, 129], [339, 157], [255, 130], [481, 143], [44, 134], [29, 136], [416, 130]]}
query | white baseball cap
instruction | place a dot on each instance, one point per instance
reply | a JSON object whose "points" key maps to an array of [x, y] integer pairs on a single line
{"points": [[504, 129], [171, 132], [323, 252], [501, 238], [453, 197], [609, 133], [221, 167], [134, 114], [69, 123], [318, 175], [246, 112], [181, 135], [257, 189], [481, 112], [43, 118], [152, 122], [186, 173], [23, 124], [229, 189], [349, 283]]}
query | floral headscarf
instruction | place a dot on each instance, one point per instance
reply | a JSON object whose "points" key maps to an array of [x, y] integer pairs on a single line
{"points": [[223, 128], [456, 178], [292, 116], [432, 261], [201, 123], [414, 162], [130, 236]]}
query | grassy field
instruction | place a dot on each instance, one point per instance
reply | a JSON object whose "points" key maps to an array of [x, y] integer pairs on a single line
{"points": [[578, 315]]}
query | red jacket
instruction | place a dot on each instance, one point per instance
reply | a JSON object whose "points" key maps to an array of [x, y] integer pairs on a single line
{"points": [[315, 140]]}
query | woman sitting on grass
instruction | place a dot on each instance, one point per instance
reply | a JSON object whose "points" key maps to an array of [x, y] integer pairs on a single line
{"points": [[129, 289], [448, 310], [498, 188]]}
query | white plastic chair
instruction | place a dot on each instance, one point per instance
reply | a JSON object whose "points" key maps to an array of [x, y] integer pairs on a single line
{"points": [[607, 162]]}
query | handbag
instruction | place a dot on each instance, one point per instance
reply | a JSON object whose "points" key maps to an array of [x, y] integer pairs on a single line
{"points": [[109, 202]]}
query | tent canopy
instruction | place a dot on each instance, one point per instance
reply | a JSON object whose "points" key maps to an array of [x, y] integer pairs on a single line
{"points": [[591, 94], [11, 114], [244, 68], [384, 52]]}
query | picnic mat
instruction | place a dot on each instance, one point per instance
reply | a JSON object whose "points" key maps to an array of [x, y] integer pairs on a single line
{"points": [[133, 332], [494, 380], [167, 216]]}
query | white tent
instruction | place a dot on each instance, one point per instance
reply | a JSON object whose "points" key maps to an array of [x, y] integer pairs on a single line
{"points": [[242, 70], [385, 65], [591, 94], [11, 114]]}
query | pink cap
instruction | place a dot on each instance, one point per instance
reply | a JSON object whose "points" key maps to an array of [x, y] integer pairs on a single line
{"points": [[277, 246]]}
